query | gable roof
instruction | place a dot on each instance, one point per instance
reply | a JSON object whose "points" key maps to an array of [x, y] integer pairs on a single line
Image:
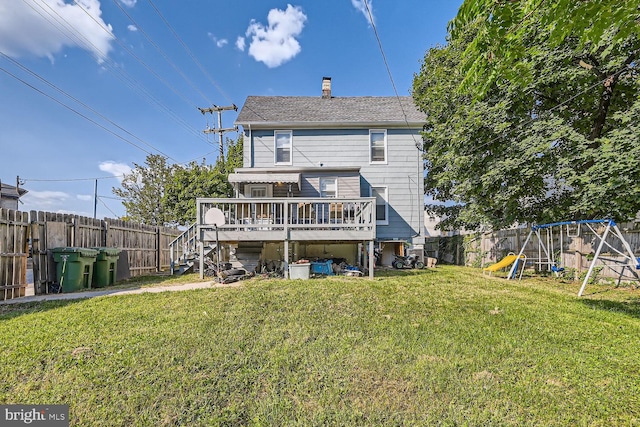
{"points": [[10, 192], [309, 111]]}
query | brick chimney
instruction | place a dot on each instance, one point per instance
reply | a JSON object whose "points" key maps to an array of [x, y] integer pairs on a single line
{"points": [[326, 88]]}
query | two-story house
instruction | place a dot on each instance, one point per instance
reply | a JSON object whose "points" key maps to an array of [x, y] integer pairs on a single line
{"points": [[336, 177]]}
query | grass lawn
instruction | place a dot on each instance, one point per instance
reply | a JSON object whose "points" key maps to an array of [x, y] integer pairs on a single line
{"points": [[437, 347]]}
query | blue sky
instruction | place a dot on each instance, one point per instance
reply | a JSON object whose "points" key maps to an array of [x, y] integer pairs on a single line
{"points": [[91, 87]]}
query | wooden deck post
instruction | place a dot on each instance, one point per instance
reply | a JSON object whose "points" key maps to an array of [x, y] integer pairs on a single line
{"points": [[371, 259]]}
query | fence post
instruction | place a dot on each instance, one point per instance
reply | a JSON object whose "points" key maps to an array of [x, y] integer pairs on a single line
{"points": [[73, 231], [104, 226], [158, 250]]}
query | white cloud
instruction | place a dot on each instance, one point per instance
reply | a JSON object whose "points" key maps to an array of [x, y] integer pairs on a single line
{"points": [[115, 169], [218, 42], [29, 27], [240, 44], [44, 200], [362, 7], [85, 197], [129, 3], [276, 43], [132, 28]]}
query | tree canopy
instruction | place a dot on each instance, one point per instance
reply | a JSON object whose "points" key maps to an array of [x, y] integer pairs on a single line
{"points": [[200, 180], [157, 193], [499, 48], [527, 122], [142, 191]]}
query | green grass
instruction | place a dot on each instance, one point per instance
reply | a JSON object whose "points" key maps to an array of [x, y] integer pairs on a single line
{"points": [[438, 347], [160, 279]]}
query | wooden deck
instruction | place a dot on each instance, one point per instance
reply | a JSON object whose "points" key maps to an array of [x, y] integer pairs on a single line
{"points": [[289, 219]]}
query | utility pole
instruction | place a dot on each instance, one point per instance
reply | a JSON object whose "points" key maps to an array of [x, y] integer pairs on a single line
{"points": [[219, 130], [18, 183], [95, 199]]}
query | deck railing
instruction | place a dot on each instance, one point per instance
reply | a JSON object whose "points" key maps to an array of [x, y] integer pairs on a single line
{"points": [[277, 219]]}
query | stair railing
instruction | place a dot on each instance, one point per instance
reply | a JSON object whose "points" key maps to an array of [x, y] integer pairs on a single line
{"points": [[184, 246]]}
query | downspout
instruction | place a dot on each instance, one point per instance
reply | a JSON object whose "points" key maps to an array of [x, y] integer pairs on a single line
{"points": [[419, 205], [420, 192], [251, 160]]}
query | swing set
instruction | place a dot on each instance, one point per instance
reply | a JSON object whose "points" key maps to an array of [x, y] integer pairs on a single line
{"points": [[549, 259]]}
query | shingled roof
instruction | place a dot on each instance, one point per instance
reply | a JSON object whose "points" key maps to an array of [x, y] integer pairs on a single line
{"points": [[341, 111], [10, 192]]}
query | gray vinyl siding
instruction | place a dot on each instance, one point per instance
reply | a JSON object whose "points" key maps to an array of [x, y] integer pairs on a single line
{"points": [[402, 174], [348, 184]]}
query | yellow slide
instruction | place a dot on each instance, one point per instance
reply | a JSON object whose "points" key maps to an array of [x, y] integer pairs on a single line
{"points": [[503, 263]]}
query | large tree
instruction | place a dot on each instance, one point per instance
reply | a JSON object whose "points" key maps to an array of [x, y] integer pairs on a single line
{"points": [[545, 134]]}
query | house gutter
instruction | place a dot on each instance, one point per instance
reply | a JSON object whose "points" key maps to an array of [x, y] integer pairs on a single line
{"points": [[251, 159], [299, 169], [331, 125]]}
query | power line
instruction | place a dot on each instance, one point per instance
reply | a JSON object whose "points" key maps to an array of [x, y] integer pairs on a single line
{"points": [[136, 57], [194, 58], [72, 179], [164, 55], [107, 207], [70, 30], [74, 111], [386, 64], [130, 82], [186, 48], [84, 105]]}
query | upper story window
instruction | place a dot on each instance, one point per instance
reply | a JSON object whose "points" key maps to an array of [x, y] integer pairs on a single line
{"points": [[329, 187], [283, 144], [378, 146]]}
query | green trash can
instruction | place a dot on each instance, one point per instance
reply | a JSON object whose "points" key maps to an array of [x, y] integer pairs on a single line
{"points": [[105, 268], [74, 267]]}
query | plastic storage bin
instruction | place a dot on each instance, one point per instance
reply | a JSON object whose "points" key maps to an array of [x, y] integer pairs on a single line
{"points": [[105, 268], [322, 267], [299, 271], [74, 267]]}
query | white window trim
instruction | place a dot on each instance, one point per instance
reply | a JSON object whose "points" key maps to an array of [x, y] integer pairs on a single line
{"points": [[386, 205], [322, 178], [275, 147], [249, 187], [386, 153]]}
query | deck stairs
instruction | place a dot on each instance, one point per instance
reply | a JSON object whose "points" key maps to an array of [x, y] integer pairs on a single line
{"points": [[185, 256], [184, 252]]}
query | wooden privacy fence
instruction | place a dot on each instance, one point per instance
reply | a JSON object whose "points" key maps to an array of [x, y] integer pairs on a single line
{"points": [[14, 252], [146, 247]]}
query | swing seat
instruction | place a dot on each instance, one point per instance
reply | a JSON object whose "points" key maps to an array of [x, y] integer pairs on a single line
{"points": [[637, 263], [556, 269]]}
